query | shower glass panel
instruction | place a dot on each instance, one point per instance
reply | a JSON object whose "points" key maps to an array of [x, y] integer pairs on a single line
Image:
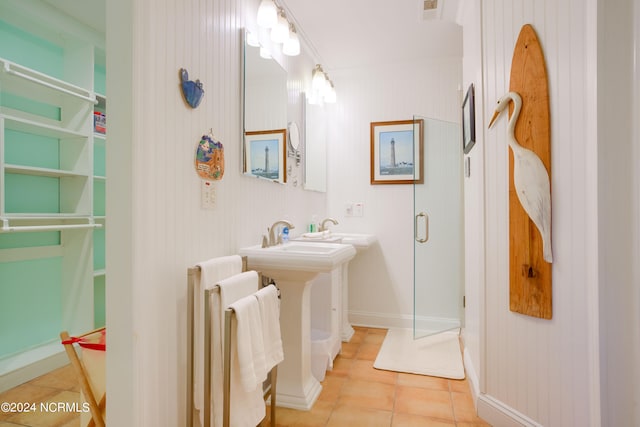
{"points": [[438, 229]]}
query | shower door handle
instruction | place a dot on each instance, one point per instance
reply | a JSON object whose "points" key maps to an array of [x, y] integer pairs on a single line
{"points": [[426, 227]]}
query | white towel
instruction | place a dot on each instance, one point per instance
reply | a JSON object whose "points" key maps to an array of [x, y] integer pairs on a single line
{"points": [[270, 315], [211, 272], [247, 409], [246, 335]]}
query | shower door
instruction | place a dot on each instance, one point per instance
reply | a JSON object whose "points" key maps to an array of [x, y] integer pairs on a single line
{"points": [[438, 229]]}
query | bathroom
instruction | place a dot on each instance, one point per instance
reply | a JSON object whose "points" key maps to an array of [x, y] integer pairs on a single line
{"points": [[524, 371]]}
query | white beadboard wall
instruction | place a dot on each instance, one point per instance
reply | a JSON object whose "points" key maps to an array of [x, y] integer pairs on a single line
{"points": [[541, 372], [156, 227], [381, 278]]}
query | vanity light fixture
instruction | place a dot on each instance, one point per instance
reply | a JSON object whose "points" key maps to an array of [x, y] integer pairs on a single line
{"points": [[267, 14], [264, 53], [252, 39], [273, 19], [330, 93], [291, 46], [318, 79], [322, 89], [280, 33]]}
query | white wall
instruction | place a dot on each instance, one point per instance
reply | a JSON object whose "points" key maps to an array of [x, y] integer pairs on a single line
{"points": [[381, 279], [579, 368], [156, 228]]}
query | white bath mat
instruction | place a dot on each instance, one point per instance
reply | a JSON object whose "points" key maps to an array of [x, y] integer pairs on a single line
{"points": [[437, 355]]}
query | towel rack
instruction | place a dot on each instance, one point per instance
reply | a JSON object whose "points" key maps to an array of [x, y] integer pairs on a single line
{"points": [[269, 390], [192, 273]]}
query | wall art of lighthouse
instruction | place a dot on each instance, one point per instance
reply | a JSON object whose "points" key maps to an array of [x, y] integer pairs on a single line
{"points": [[265, 154], [396, 152]]}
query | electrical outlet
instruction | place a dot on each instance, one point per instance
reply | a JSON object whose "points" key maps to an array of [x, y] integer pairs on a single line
{"points": [[348, 209], [358, 209], [207, 195]]}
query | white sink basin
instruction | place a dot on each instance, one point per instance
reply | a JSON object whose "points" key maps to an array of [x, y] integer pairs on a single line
{"points": [[360, 241], [297, 256]]}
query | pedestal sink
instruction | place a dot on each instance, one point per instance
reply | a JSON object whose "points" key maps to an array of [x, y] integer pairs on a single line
{"points": [[293, 266], [360, 241]]}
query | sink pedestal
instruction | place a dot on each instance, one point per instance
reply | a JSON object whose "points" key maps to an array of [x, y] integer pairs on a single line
{"points": [[293, 266], [297, 387]]}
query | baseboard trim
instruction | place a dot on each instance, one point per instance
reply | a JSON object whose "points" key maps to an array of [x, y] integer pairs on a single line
{"points": [[26, 366], [497, 413], [404, 321]]}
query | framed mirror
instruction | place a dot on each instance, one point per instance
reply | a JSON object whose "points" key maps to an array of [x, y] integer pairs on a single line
{"points": [[265, 116], [315, 148]]}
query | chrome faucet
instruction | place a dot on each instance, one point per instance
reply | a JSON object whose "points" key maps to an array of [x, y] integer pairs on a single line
{"points": [[323, 227], [276, 238]]}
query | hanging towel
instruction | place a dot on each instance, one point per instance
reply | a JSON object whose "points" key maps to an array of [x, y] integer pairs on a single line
{"points": [[270, 316], [247, 409], [211, 272], [246, 335]]}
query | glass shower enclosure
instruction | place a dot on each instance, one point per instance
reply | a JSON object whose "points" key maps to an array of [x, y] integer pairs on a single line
{"points": [[438, 228]]}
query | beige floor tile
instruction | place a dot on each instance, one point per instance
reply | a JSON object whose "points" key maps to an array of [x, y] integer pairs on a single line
{"points": [[63, 378], [367, 394], [410, 420], [331, 387], [359, 335], [374, 339], [316, 417], [344, 415], [423, 381], [425, 402], [364, 370], [349, 350], [368, 351], [463, 407], [460, 386], [341, 367]]}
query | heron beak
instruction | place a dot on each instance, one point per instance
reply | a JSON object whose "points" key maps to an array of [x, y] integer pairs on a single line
{"points": [[493, 119]]}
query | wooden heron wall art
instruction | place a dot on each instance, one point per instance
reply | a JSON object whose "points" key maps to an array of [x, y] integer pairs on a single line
{"points": [[528, 135]]}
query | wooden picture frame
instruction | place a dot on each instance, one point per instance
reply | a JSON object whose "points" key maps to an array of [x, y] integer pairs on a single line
{"points": [[266, 155], [468, 120], [397, 152]]}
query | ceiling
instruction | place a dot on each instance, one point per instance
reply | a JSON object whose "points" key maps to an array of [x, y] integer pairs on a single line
{"points": [[346, 33], [355, 33]]}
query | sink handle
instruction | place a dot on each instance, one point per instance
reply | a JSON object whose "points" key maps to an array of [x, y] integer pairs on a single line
{"points": [[265, 242]]}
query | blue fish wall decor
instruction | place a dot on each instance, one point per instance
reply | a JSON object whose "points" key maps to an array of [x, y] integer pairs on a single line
{"points": [[192, 91]]}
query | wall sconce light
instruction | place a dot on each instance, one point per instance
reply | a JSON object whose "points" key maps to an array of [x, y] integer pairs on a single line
{"points": [[291, 46], [322, 89], [272, 17], [280, 33], [267, 14]]}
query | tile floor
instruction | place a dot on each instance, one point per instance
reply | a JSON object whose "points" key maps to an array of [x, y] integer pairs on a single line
{"points": [[354, 394]]}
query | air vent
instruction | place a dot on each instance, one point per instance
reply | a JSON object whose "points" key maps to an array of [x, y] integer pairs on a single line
{"points": [[430, 5], [431, 9]]}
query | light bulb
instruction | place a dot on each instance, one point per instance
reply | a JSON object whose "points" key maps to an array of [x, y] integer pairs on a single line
{"points": [[330, 93], [318, 80], [267, 14], [291, 46], [264, 53], [280, 33], [252, 39]]}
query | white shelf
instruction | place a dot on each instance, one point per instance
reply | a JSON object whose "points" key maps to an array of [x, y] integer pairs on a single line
{"points": [[40, 128], [32, 170]]}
